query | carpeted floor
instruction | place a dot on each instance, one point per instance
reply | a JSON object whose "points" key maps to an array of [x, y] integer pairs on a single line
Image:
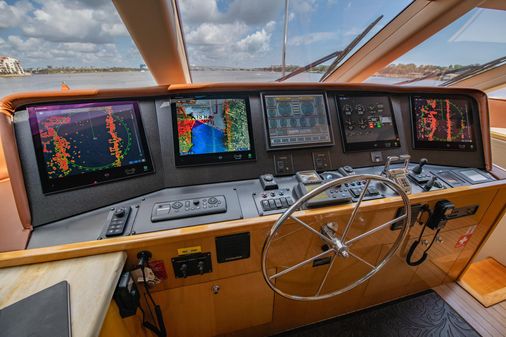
{"points": [[421, 315]]}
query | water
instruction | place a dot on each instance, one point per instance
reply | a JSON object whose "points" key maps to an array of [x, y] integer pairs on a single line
{"points": [[10, 85], [207, 139]]}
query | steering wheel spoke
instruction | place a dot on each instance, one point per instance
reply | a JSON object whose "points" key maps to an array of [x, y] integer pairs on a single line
{"points": [[338, 246], [375, 229], [312, 230], [298, 265]]}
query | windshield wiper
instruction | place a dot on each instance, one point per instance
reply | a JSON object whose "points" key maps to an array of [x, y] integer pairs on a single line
{"points": [[475, 71], [437, 73], [338, 54], [349, 48]]}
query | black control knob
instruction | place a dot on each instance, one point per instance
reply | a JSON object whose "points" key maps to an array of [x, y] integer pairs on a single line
{"points": [[183, 269], [119, 213], [419, 168], [428, 185], [196, 202]]}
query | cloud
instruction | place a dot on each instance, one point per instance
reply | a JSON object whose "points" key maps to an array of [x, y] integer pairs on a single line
{"points": [[228, 44], [215, 34], [307, 39], [37, 50], [62, 21], [13, 15], [256, 12]]}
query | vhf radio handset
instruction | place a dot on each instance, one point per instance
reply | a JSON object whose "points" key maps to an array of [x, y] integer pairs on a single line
{"points": [[437, 221]]}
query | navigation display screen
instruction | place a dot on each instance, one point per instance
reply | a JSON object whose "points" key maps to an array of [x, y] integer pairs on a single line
{"points": [[367, 123], [86, 144], [295, 120], [212, 130], [442, 122]]}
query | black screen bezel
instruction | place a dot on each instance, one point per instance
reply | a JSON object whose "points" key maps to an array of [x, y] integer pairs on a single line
{"points": [[367, 146], [302, 145], [57, 185], [443, 146], [212, 158]]}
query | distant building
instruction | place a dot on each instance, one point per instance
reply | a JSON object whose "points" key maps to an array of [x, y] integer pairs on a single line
{"points": [[10, 66]]}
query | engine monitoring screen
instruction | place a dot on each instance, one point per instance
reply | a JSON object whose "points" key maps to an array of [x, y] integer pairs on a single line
{"points": [[295, 120], [85, 144], [442, 123], [367, 123], [212, 130]]}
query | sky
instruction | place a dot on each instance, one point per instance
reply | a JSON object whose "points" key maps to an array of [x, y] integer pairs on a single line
{"points": [[232, 33]]}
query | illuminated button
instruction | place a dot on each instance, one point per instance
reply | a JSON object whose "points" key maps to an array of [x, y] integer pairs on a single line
{"points": [[265, 205], [187, 203]]}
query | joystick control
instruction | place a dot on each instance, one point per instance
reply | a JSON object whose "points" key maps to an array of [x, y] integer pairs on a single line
{"points": [[428, 185], [419, 168], [419, 177], [268, 182]]}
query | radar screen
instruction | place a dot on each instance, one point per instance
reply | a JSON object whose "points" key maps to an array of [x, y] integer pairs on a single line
{"points": [[211, 130], [443, 122], [296, 120], [367, 123], [86, 144]]}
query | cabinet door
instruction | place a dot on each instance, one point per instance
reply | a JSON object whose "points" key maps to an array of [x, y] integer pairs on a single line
{"points": [[441, 257], [218, 307], [242, 302], [187, 311]]}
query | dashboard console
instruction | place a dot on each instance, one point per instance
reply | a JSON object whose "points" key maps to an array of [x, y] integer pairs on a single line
{"points": [[168, 157]]}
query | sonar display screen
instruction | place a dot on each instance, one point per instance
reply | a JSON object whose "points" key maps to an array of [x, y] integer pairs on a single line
{"points": [[212, 130], [85, 144], [443, 122]]}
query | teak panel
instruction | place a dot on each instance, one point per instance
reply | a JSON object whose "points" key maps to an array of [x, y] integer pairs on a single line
{"points": [[241, 302]]}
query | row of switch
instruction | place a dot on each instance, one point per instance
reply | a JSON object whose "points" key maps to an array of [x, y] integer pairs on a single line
{"points": [[276, 203]]}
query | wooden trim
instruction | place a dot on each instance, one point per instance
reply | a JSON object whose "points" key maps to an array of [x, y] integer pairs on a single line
{"points": [[497, 112], [188, 233]]}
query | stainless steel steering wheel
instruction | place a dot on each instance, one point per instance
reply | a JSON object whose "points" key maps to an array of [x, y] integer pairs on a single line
{"points": [[336, 246]]}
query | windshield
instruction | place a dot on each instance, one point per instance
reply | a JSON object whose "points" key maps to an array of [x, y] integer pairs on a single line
{"points": [[241, 40], [472, 44], [58, 44]]}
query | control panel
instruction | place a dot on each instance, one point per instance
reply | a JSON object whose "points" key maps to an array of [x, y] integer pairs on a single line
{"points": [[117, 224], [192, 264], [186, 208], [274, 201]]}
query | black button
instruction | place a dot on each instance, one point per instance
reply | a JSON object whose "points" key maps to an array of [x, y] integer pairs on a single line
{"points": [[196, 202], [272, 204]]}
